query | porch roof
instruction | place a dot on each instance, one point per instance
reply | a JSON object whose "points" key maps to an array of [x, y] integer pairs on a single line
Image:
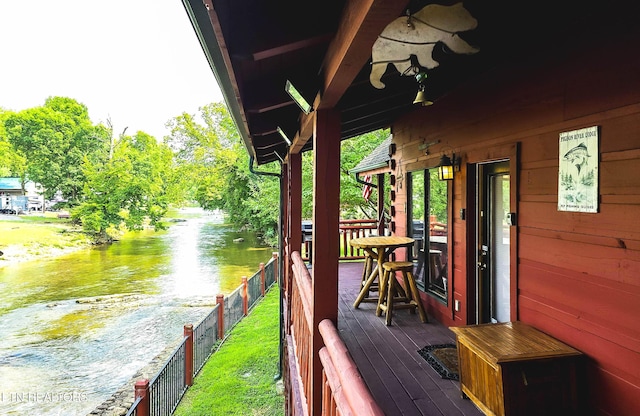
{"points": [[324, 49], [377, 159]]}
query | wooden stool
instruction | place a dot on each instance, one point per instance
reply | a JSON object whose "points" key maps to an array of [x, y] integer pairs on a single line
{"points": [[370, 266], [391, 291]]}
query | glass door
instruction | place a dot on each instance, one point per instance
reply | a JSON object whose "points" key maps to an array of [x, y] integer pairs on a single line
{"points": [[493, 283]]}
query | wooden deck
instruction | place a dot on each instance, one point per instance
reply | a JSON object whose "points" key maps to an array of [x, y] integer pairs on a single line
{"points": [[387, 356]]}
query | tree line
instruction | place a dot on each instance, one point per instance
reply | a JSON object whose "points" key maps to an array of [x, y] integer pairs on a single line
{"points": [[113, 181]]}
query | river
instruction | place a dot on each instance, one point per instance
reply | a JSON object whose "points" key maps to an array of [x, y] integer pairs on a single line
{"points": [[75, 328]]}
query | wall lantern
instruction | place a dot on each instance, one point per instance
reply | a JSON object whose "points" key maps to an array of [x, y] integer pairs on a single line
{"points": [[447, 166]]}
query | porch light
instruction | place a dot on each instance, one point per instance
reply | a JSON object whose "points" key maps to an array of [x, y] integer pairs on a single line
{"points": [[447, 166], [297, 97], [284, 136]]}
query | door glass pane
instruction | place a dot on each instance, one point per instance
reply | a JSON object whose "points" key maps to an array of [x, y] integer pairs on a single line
{"points": [[500, 261]]}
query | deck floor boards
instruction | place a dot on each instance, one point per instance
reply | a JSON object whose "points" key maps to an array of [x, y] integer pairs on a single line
{"points": [[387, 356]]}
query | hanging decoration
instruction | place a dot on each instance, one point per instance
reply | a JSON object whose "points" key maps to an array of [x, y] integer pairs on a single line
{"points": [[417, 34]]}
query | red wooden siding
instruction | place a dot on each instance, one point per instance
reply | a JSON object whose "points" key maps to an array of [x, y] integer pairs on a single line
{"points": [[578, 274]]}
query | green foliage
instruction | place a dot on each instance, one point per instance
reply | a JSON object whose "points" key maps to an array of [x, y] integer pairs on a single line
{"points": [[214, 166], [352, 151], [129, 190], [12, 163], [53, 140]]}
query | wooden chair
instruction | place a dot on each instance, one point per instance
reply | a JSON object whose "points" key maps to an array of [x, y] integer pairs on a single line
{"points": [[391, 292]]}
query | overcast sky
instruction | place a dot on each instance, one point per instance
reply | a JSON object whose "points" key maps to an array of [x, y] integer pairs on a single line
{"points": [[137, 62]]}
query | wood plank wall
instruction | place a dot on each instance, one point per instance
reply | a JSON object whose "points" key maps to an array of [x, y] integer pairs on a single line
{"points": [[578, 274]]}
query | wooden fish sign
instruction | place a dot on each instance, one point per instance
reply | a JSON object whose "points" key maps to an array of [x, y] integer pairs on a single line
{"points": [[417, 34]]}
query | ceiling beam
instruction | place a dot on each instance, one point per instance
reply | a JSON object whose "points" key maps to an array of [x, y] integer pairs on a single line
{"points": [[291, 47], [348, 52], [360, 25]]}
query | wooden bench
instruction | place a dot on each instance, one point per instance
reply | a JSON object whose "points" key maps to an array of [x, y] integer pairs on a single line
{"points": [[514, 369]]}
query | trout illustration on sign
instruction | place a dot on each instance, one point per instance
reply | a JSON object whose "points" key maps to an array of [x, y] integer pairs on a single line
{"points": [[578, 156]]}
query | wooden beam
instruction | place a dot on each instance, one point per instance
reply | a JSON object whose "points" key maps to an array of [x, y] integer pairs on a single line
{"points": [[349, 51], [361, 23], [291, 47], [326, 218]]}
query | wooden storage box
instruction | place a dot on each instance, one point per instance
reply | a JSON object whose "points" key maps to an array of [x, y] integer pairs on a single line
{"points": [[514, 369]]}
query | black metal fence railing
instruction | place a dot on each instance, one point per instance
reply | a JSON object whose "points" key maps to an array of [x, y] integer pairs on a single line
{"points": [[254, 287], [133, 410], [169, 385], [161, 395], [233, 309], [205, 335]]}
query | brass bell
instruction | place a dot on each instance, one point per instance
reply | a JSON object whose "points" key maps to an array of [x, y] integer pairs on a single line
{"points": [[422, 99]]}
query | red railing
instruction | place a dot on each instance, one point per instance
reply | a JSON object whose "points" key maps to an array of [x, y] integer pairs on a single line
{"points": [[343, 390], [349, 229], [299, 339]]}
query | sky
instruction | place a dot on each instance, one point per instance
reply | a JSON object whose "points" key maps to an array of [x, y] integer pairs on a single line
{"points": [[135, 62]]}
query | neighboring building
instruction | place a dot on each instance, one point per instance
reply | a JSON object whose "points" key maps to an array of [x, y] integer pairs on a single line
{"points": [[11, 187], [14, 199]]}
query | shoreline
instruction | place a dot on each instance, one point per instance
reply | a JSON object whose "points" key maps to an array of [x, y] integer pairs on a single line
{"points": [[17, 254]]}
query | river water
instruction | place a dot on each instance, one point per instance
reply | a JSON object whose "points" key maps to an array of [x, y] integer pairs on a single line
{"points": [[75, 328]]}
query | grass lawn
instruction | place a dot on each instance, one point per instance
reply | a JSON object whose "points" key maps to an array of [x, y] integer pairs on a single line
{"points": [[238, 379], [31, 235]]}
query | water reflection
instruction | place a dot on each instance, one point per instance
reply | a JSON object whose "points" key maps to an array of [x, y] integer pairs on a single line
{"points": [[73, 329]]}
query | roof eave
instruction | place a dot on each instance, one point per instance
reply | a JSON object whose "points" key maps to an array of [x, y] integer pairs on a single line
{"points": [[199, 17]]}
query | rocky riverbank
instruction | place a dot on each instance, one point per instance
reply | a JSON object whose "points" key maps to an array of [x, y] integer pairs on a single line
{"points": [[120, 402]]}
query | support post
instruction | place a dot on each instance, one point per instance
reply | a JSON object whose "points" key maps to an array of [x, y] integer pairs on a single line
{"points": [[245, 296], [326, 241], [263, 288], [141, 390], [381, 222], [188, 355], [220, 303], [276, 276]]}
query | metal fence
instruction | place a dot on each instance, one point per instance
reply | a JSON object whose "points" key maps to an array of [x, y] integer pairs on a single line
{"points": [[169, 385], [205, 335], [161, 395]]}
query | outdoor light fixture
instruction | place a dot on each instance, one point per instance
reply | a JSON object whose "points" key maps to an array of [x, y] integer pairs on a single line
{"points": [[284, 136], [297, 97], [447, 166], [421, 97]]}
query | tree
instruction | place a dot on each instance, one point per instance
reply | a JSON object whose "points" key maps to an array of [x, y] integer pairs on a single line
{"points": [[129, 190], [352, 151], [212, 159], [53, 140], [12, 163]]}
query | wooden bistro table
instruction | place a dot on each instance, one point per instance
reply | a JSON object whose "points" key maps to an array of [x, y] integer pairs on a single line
{"points": [[379, 248], [514, 369]]}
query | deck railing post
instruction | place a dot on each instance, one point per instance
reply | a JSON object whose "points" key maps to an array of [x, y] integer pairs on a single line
{"points": [[262, 280], [275, 267], [141, 390], [220, 303], [245, 296], [188, 355]]}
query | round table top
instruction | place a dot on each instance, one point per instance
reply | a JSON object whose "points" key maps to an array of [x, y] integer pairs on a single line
{"points": [[377, 242]]}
